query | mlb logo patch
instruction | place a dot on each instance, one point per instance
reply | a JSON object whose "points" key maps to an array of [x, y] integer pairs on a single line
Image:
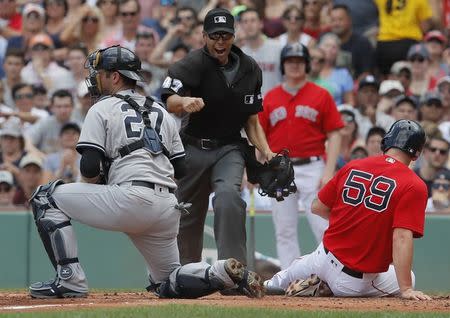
{"points": [[249, 99], [220, 19]]}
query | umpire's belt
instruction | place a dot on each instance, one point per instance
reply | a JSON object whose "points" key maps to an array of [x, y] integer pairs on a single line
{"points": [[347, 270], [147, 184], [304, 161], [206, 144]]}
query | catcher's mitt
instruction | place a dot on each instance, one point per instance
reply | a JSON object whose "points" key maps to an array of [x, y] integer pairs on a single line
{"points": [[276, 177]]}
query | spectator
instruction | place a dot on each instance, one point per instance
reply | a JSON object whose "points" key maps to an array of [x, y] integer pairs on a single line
{"points": [[65, 164], [30, 177], [402, 24], [129, 13], [44, 135], [349, 137], [12, 20], [405, 107], [317, 64], [87, 27], [13, 63], [373, 141], [439, 201], [195, 38], [389, 89], [313, 25], [12, 145], [435, 43], [402, 71], [293, 21], [431, 108], [110, 11], [33, 23], [84, 103], [74, 7], [7, 189], [42, 69], [75, 61], [357, 46], [358, 152], [272, 21], [421, 81], [159, 55], [339, 78], [55, 12], [40, 98], [266, 52], [364, 15], [302, 109], [434, 160], [443, 87]]}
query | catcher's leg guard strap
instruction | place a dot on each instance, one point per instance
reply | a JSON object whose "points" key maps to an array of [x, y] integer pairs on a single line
{"points": [[190, 281]]}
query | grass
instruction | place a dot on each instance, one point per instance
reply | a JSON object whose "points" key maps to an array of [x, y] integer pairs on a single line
{"points": [[198, 311]]}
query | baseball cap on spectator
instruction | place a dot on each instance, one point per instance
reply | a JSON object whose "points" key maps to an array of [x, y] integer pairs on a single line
{"points": [[368, 80], [70, 126], [32, 7], [12, 128], [435, 35], [442, 80], [6, 177], [30, 159], [400, 66], [390, 85], [418, 50], [348, 115], [41, 39], [443, 175], [218, 20], [431, 98], [404, 98]]}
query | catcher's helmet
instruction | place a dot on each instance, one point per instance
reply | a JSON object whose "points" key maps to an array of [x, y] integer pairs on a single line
{"points": [[113, 58], [295, 50], [406, 135]]}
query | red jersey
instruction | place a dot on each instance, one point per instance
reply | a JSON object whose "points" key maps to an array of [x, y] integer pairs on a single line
{"points": [[299, 123], [368, 199], [15, 22]]}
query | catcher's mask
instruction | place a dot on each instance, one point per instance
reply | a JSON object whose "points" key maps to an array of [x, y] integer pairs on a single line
{"points": [[113, 58]]}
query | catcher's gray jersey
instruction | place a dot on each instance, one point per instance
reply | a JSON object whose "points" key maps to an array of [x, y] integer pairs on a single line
{"points": [[112, 123]]}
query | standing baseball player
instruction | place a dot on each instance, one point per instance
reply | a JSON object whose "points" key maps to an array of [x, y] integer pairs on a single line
{"points": [[220, 88], [300, 116], [376, 206], [140, 143]]}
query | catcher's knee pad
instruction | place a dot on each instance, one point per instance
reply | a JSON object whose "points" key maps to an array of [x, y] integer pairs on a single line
{"points": [[41, 199], [190, 281]]}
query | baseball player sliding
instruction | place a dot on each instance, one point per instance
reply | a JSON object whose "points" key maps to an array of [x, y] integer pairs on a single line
{"points": [[139, 142], [375, 206]]}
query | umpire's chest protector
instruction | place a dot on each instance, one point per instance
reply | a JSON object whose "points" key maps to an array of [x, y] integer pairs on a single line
{"points": [[227, 105]]}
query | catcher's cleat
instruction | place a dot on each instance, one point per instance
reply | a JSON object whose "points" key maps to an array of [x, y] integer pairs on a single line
{"points": [[249, 283], [51, 290], [310, 287]]}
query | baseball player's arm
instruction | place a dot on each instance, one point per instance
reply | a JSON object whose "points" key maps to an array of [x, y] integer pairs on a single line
{"points": [[333, 149], [257, 137], [320, 209], [402, 254]]}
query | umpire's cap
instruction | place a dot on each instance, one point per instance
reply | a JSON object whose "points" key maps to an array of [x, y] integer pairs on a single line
{"points": [[295, 50], [406, 135], [116, 58]]}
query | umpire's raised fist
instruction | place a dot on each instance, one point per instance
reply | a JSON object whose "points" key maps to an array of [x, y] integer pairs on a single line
{"points": [[193, 104]]}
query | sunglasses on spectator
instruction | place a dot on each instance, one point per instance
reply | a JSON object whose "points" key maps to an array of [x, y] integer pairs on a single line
{"points": [[441, 151], [23, 96], [347, 118], [420, 59], [444, 186], [220, 35], [129, 14], [293, 18], [90, 19], [318, 59], [40, 47], [4, 187]]}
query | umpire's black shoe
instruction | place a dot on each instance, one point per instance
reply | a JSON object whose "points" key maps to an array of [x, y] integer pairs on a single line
{"points": [[249, 283], [49, 290]]}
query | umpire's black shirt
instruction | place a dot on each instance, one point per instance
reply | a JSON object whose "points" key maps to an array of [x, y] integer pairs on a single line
{"points": [[227, 105]]}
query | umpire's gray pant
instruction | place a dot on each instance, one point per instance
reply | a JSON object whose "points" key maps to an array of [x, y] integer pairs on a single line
{"points": [[219, 170], [147, 216]]}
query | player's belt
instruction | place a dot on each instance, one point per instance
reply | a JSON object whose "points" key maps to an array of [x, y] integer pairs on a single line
{"points": [[147, 184], [205, 143], [304, 161], [347, 270]]}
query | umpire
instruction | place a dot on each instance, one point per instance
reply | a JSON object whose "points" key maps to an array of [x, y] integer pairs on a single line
{"points": [[220, 89]]}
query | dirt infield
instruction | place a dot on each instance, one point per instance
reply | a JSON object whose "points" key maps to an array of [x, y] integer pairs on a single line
{"points": [[15, 302]]}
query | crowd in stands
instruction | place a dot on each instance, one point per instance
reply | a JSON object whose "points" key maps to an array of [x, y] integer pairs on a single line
{"points": [[381, 61]]}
